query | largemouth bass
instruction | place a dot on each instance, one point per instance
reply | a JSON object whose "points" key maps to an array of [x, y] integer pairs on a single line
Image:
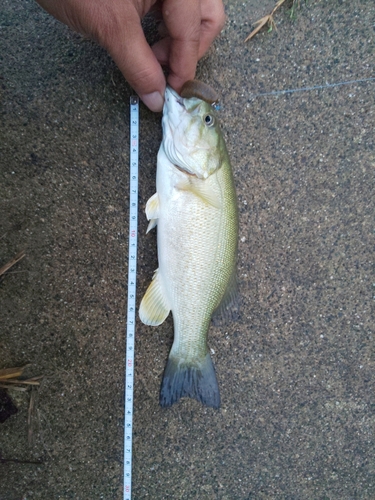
{"points": [[195, 210]]}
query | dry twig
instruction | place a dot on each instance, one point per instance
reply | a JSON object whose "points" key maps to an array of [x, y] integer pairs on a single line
{"points": [[31, 417], [268, 19], [9, 379], [11, 263]]}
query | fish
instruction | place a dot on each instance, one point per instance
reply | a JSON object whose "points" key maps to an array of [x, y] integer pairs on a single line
{"points": [[196, 214]]}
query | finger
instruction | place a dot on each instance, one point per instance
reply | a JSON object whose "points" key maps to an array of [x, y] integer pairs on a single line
{"points": [[57, 10], [213, 20], [129, 49], [156, 10], [183, 22], [117, 27], [161, 50], [162, 29]]}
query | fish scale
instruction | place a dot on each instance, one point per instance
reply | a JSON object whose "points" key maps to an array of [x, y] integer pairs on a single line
{"points": [[195, 211]]}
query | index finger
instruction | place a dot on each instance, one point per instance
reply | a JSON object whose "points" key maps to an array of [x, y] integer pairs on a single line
{"points": [[183, 21]]}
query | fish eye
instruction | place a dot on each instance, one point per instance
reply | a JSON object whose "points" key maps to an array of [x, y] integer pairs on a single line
{"points": [[208, 120]]}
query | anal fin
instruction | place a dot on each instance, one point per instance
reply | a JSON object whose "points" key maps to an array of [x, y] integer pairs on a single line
{"points": [[154, 307]]}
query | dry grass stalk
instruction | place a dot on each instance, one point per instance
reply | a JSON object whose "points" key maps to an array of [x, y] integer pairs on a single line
{"points": [[11, 263], [7, 373], [31, 417], [267, 20], [9, 379]]}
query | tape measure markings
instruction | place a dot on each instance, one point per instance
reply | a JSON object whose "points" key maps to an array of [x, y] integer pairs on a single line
{"points": [[131, 304]]}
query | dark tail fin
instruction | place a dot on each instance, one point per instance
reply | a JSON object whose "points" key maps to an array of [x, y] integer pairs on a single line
{"points": [[194, 380]]}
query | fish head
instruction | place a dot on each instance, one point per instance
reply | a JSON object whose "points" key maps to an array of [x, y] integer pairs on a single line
{"points": [[191, 135]]}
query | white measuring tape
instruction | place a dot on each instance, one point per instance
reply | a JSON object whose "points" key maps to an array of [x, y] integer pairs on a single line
{"points": [[132, 280]]}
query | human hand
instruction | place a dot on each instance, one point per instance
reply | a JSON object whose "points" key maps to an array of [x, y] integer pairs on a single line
{"points": [[190, 28]]}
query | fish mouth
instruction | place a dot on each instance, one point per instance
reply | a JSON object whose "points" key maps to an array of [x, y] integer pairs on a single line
{"points": [[174, 113], [175, 106], [171, 100], [173, 110]]}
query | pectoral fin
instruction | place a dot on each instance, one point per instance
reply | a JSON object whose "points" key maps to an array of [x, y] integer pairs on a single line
{"points": [[154, 307], [152, 211], [201, 189], [151, 225], [152, 207]]}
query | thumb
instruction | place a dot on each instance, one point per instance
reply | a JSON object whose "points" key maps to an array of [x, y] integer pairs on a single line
{"points": [[129, 49]]}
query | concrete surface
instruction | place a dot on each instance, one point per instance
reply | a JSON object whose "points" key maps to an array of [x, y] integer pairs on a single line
{"points": [[296, 372]]}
